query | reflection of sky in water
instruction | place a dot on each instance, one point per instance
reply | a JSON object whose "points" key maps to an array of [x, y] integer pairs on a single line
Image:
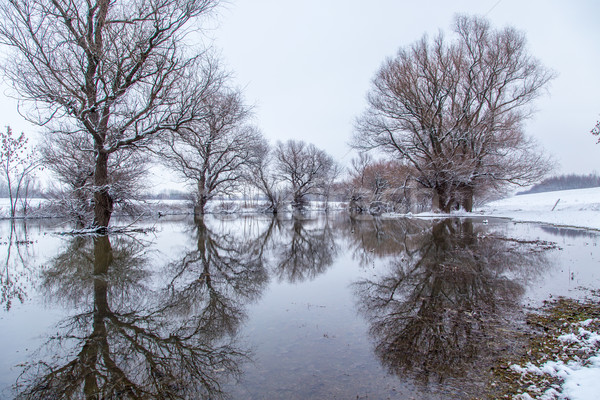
{"points": [[571, 269], [299, 311]]}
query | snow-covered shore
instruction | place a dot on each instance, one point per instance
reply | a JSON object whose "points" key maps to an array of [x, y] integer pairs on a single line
{"points": [[565, 361], [578, 208], [573, 208]]}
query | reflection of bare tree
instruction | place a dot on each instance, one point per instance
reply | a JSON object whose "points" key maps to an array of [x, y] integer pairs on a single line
{"points": [[218, 278], [128, 341], [72, 279], [15, 269], [375, 237], [441, 303], [308, 252]]}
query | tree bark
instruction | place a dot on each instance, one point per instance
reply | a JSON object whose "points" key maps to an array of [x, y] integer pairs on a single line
{"points": [[200, 206], [435, 201], [299, 201], [466, 193], [442, 200], [103, 202]]}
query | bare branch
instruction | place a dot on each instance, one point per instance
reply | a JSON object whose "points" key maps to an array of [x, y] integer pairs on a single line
{"points": [[455, 111]]}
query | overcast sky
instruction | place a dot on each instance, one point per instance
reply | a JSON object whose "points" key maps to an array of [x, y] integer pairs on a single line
{"points": [[307, 65]]}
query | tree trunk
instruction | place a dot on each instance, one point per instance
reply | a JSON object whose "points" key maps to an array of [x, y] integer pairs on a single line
{"points": [[200, 206], [441, 200], [299, 202], [435, 201], [466, 193], [273, 204], [103, 202]]}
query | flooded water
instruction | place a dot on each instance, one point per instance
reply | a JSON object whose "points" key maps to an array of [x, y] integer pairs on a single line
{"points": [[260, 308]]}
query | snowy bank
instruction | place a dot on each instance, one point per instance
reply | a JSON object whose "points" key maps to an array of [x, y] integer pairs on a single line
{"points": [[574, 208], [577, 376], [578, 208]]}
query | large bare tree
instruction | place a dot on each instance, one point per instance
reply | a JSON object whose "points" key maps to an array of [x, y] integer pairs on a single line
{"points": [[214, 152], [304, 167], [455, 110], [119, 71]]}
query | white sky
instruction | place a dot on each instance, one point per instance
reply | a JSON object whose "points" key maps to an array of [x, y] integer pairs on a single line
{"points": [[307, 65]]}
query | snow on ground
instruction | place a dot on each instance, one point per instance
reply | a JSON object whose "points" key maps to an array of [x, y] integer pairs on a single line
{"points": [[573, 208], [578, 380], [577, 208]]}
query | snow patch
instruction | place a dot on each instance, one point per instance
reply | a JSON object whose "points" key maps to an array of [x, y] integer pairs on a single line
{"points": [[575, 208], [579, 380]]}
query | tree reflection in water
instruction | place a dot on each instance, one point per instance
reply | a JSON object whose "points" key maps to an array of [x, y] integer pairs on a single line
{"points": [[377, 238], [440, 306], [15, 272], [217, 279], [305, 250], [133, 341]]}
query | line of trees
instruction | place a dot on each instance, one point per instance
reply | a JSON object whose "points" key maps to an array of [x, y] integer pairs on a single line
{"points": [[111, 81], [119, 86], [565, 182], [222, 153]]}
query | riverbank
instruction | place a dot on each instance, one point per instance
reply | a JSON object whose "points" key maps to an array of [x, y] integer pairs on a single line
{"points": [[579, 208], [562, 360]]}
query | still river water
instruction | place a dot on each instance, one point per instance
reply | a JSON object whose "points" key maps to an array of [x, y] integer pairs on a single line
{"points": [[258, 308]]}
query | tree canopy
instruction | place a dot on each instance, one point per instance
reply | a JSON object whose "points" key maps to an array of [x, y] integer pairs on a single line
{"points": [[119, 71], [455, 110]]}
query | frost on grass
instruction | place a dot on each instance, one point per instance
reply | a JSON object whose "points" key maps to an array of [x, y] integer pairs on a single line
{"points": [[562, 359]]}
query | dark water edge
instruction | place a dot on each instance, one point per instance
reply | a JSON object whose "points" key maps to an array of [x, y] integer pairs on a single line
{"points": [[250, 307]]}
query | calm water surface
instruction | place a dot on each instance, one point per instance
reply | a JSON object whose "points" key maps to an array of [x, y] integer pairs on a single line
{"points": [[261, 308]]}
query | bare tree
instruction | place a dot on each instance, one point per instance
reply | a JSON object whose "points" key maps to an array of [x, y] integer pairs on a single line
{"points": [[356, 193], [330, 189], [263, 177], [214, 151], [455, 111], [359, 166], [117, 71], [71, 158], [17, 164], [383, 176], [596, 131], [304, 167], [379, 185]]}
